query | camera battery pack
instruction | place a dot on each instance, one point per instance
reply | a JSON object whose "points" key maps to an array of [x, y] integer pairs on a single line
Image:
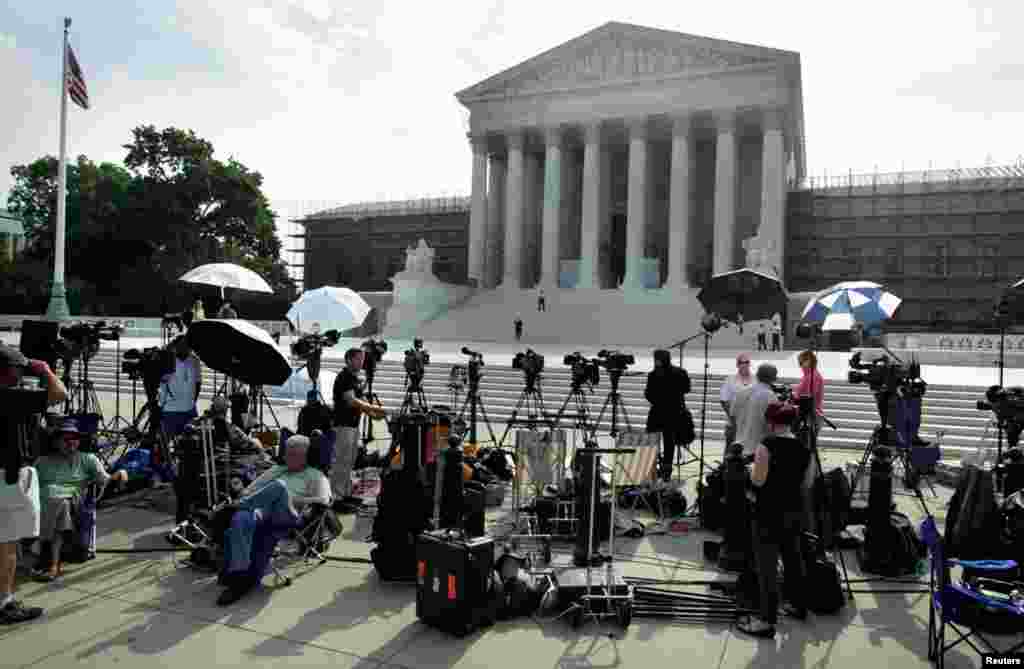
{"points": [[453, 582]]}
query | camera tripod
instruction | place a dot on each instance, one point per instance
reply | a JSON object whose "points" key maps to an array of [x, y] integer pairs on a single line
{"points": [[415, 399], [82, 397], [533, 400], [118, 419], [371, 398], [614, 400], [887, 435], [694, 457], [475, 404], [581, 418]]}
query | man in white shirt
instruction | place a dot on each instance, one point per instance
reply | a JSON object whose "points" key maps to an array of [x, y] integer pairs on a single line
{"points": [[749, 407], [730, 386], [180, 389]]}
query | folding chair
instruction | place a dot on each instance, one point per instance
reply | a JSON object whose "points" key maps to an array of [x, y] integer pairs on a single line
{"points": [[957, 605], [639, 470]]}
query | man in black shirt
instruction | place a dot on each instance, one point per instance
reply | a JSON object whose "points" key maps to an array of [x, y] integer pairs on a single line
{"points": [[19, 483], [349, 406], [779, 466], [666, 390]]}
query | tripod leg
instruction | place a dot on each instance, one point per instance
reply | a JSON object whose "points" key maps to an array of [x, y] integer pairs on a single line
{"points": [[487, 422], [512, 419]]}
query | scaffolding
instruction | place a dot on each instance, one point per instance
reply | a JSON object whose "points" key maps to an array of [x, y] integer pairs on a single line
{"points": [[362, 210], [1007, 177]]}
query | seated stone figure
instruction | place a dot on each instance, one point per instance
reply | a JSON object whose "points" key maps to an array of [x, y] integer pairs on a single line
{"points": [[64, 476], [275, 502]]}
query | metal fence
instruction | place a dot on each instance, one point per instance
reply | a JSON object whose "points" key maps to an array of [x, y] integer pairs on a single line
{"points": [[944, 179]]}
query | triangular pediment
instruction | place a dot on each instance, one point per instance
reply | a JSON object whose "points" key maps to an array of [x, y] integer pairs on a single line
{"points": [[620, 52]]}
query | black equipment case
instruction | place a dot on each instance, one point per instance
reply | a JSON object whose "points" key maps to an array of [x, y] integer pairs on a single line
{"points": [[453, 582]]}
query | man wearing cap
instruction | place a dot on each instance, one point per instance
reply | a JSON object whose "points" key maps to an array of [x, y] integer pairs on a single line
{"points": [[275, 500], [749, 407], [63, 477], [19, 485], [727, 394]]}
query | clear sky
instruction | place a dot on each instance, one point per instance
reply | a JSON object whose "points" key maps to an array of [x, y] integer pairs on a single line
{"points": [[339, 102]]}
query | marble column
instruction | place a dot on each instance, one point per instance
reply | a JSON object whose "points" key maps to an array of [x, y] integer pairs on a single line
{"points": [[513, 277], [478, 211], [636, 205], [590, 238], [495, 220], [552, 219], [679, 206], [773, 192], [725, 194]]}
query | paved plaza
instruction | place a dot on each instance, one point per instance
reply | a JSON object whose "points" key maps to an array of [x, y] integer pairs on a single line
{"points": [[134, 609]]}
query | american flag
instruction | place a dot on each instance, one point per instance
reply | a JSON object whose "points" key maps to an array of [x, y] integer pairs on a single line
{"points": [[76, 82]]}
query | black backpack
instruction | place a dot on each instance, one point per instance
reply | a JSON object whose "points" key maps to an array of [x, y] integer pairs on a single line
{"points": [[314, 416], [712, 504], [397, 524], [893, 550], [824, 591]]}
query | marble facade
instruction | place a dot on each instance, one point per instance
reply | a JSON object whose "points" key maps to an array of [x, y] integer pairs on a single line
{"points": [[588, 156]]}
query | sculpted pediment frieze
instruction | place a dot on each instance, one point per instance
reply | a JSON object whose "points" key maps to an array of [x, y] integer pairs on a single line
{"points": [[616, 58]]}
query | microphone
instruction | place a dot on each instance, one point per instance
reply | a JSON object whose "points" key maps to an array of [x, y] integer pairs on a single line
{"points": [[467, 351]]}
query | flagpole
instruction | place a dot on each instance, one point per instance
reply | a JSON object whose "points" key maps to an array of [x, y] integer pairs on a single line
{"points": [[58, 308]]}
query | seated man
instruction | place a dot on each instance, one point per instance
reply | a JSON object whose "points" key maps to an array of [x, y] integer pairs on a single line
{"points": [[274, 501], [63, 478]]}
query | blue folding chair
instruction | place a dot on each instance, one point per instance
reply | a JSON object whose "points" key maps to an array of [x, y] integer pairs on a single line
{"points": [[957, 606]]}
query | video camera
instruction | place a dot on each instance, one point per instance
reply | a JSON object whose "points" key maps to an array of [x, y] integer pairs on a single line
{"points": [[584, 370], [783, 392], [374, 350], [150, 365], [530, 362], [311, 345], [887, 377], [416, 360], [82, 340], [615, 361], [1008, 406], [476, 361]]}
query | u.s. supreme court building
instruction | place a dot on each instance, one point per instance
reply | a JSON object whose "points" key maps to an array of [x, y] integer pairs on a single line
{"points": [[626, 166]]}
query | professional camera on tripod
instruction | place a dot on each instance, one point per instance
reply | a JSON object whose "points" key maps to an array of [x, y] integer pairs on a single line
{"points": [[416, 361], [1008, 406], [585, 371], [890, 381], [311, 346], [82, 340], [148, 365], [615, 362], [531, 364]]}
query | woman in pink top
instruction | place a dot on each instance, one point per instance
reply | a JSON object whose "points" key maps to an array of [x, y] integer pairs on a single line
{"points": [[812, 384]]}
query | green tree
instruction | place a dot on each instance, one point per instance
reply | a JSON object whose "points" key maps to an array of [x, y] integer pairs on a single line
{"points": [[133, 230]]}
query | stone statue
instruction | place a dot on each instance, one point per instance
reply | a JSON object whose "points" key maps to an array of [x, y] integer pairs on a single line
{"points": [[761, 255], [419, 259]]}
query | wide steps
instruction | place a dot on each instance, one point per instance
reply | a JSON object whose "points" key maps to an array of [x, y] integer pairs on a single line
{"points": [[949, 409]]}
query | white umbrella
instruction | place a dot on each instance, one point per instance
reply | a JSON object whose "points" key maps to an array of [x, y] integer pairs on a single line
{"points": [[329, 308], [297, 387], [227, 275]]}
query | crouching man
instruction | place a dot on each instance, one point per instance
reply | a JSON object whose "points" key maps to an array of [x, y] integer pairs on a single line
{"points": [[273, 503]]}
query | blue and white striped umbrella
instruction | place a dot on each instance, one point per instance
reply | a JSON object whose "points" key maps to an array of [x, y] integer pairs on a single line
{"points": [[846, 304]]}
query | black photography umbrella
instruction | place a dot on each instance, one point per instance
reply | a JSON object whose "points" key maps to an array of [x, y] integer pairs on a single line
{"points": [[755, 295], [240, 350]]}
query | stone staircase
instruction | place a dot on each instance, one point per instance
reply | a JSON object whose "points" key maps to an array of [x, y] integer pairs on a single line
{"points": [[950, 409], [595, 317]]}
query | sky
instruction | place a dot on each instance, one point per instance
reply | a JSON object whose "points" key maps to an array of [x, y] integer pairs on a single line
{"points": [[341, 102]]}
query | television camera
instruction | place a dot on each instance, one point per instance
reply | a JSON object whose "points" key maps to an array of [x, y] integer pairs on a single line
{"points": [[530, 363], [476, 361], [886, 377], [584, 370], [149, 365], [615, 362], [311, 346], [1008, 406], [416, 361], [374, 350], [82, 340]]}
